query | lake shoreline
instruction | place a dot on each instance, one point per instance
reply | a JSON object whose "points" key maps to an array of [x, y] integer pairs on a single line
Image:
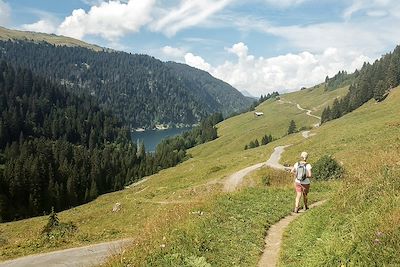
{"points": [[151, 138]]}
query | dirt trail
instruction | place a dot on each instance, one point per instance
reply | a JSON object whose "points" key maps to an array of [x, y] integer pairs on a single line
{"points": [[308, 112], [273, 240], [97, 253], [307, 134], [81, 256], [234, 180], [275, 157]]}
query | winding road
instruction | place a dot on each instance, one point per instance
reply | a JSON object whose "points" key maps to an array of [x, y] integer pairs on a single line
{"points": [[82, 256]]}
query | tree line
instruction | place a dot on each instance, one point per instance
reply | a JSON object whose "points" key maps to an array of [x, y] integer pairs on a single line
{"points": [[139, 89], [266, 139], [373, 81], [61, 149], [262, 99]]}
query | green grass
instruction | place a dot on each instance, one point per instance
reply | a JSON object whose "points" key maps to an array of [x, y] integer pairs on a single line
{"points": [[6, 34], [195, 185], [193, 182], [360, 226], [315, 98], [228, 231]]}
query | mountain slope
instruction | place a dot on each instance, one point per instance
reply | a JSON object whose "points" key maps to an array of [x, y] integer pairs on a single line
{"points": [[140, 89], [7, 34], [173, 195], [219, 94]]}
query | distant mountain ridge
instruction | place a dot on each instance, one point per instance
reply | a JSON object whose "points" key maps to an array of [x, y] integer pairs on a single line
{"points": [[7, 34], [140, 89]]}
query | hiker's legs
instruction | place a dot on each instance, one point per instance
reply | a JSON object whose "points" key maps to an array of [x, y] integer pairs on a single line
{"points": [[305, 200], [298, 196]]}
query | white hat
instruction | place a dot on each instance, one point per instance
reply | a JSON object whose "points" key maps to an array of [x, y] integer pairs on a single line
{"points": [[304, 155]]}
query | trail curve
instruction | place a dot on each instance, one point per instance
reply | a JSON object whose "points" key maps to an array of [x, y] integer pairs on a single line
{"points": [[273, 239], [81, 256]]}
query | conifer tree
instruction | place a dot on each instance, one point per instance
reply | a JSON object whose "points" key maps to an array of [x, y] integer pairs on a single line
{"points": [[292, 127]]}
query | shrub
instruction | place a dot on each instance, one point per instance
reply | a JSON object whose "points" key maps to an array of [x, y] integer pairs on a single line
{"points": [[52, 222], [266, 180], [327, 168], [55, 230]]}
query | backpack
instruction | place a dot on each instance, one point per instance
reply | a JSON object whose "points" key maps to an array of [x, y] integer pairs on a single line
{"points": [[301, 173]]}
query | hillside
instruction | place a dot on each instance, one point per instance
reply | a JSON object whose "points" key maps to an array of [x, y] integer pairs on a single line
{"points": [[140, 89], [182, 217], [55, 147], [14, 35], [172, 194], [218, 94]]}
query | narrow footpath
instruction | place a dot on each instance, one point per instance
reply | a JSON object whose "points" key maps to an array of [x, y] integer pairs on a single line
{"points": [[96, 254], [273, 240]]}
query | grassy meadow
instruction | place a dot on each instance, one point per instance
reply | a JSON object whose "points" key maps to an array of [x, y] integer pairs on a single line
{"points": [[173, 191], [6, 34], [180, 216], [360, 225]]}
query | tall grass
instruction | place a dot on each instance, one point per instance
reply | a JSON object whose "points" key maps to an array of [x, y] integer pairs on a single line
{"points": [[228, 231], [360, 225]]}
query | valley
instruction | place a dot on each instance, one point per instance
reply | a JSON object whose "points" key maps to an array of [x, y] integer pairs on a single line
{"points": [[220, 194]]}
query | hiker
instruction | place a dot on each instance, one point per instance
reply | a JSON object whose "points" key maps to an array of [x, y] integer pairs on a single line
{"points": [[302, 174]]}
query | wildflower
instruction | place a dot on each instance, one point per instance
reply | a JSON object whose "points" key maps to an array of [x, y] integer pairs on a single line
{"points": [[379, 234]]}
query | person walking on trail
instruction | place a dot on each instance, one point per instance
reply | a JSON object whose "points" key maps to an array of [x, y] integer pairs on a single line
{"points": [[302, 174]]}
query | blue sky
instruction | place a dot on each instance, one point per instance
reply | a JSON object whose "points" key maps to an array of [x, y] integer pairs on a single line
{"points": [[255, 45]]}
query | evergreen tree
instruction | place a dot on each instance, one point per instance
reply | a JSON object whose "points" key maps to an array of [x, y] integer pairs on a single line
{"points": [[292, 127], [52, 222], [380, 90]]}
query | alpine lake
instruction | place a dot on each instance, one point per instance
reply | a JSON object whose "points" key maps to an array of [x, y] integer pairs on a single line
{"points": [[151, 138]]}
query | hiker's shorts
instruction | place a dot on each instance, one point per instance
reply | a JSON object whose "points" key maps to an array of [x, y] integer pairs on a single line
{"points": [[304, 188]]}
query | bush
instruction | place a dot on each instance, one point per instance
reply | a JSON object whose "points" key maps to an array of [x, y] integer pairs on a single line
{"points": [[266, 180], [327, 168], [55, 230]]}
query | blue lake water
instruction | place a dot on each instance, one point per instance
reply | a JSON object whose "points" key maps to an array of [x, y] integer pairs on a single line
{"points": [[152, 138]]}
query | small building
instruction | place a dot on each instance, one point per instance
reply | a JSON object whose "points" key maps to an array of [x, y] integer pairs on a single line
{"points": [[258, 114]]}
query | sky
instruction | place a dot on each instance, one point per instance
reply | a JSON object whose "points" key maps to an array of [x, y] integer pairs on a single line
{"points": [[258, 46]]}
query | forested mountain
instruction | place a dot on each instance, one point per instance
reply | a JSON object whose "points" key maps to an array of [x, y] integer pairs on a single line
{"points": [[341, 79], [219, 95], [372, 81], [57, 148], [140, 89], [60, 149]]}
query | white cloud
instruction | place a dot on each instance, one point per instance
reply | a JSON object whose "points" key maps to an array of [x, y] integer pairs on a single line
{"points": [[371, 36], [286, 72], [5, 13], [197, 62], [284, 3], [173, 53], [189, 13], [110, 20], [42, 25], [372, 8]]}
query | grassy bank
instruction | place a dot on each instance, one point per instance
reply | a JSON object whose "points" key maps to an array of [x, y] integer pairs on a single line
{"points": [[172, 193], [229, 231], [360, 226]]}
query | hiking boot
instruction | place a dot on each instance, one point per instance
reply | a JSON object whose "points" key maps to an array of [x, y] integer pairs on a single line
{"points": [[296, 210], [305, 208]]}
